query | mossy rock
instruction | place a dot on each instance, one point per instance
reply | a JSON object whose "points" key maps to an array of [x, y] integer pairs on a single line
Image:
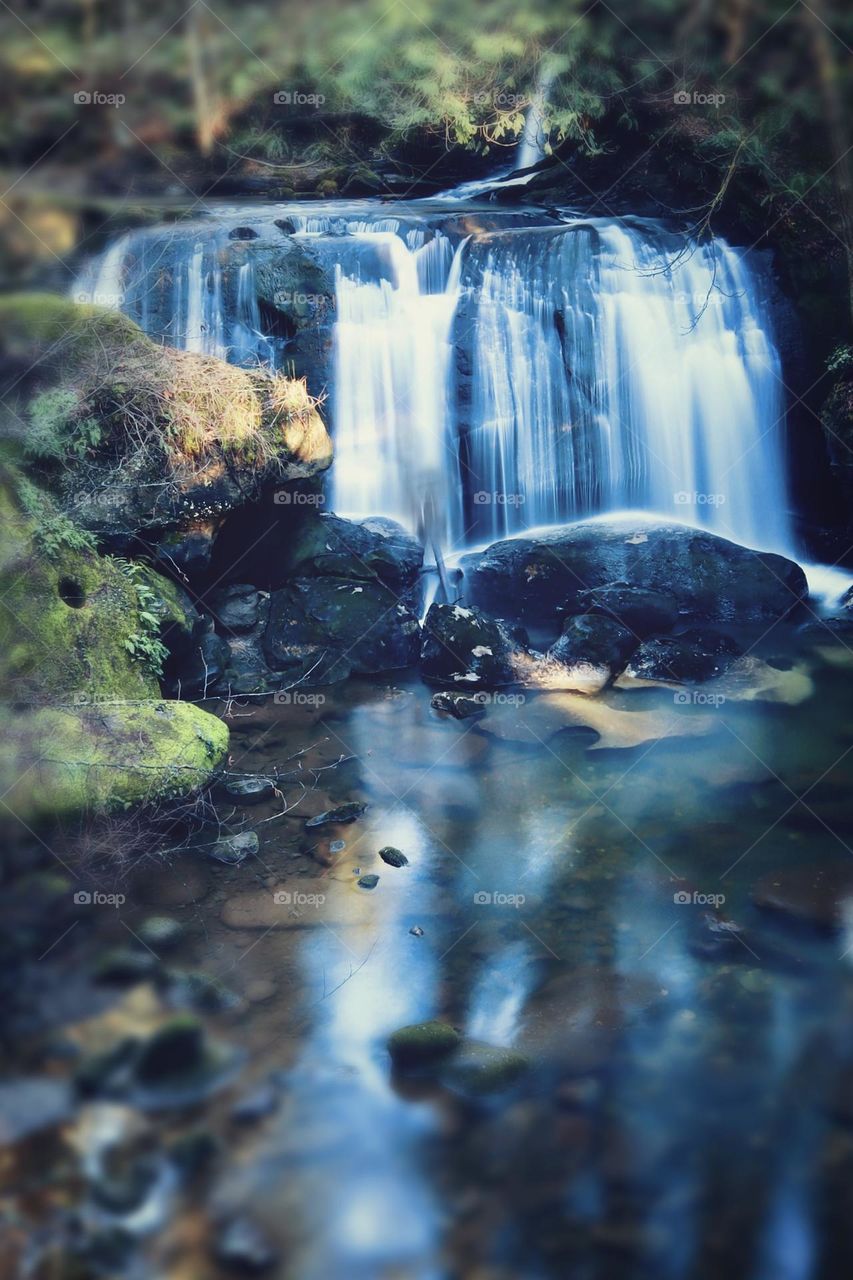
{"points": [[133, 436], [422, 1044], [103, 758]]}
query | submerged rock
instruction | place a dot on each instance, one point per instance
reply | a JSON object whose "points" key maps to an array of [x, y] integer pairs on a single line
{"points": [[707, 577], [591, 650], [365, 550], [234, 850], [422, 1043], [463, 646], [690, 658], [369, 881], [394, 857], [248, 791], [478, 1070], [640, 610], [458, 705], [343, 813]]}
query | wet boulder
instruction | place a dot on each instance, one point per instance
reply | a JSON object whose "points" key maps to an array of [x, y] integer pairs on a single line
{"points": [[236, 608], [690, 658], [422, 1044], [323, 629], [200, 669], [462, 646], [592, 649], [642, 610], [366, 550], [707, 577]]}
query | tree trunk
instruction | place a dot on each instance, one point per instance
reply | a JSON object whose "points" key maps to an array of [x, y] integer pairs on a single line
{"points": [[201, 90]]}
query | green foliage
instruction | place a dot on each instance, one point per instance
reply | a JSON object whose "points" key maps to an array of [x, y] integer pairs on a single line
{"points": [[52, 531], [144, 643], [841, 360], [56, 431]]}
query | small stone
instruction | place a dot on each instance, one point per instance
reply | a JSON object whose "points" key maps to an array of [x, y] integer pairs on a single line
{"points": [[123, 966], [368, 881], [243, 1247], [160, 933], [459, 705], [246, 791], [175, 1050], [422, 1043], [234, 850], [394, 857], [343, 813], [416, 931]]}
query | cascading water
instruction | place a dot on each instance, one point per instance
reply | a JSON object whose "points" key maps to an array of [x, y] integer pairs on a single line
{"points": [[513, 369]]}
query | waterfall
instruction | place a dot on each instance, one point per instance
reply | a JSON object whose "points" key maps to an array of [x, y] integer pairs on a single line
{"points": [[509, 369]]}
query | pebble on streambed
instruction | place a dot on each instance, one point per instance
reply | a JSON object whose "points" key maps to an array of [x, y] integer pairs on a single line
{"points": [[394, 857]]}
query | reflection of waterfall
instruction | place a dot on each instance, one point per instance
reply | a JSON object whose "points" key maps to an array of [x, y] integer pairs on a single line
{"points": [[522, 369]]}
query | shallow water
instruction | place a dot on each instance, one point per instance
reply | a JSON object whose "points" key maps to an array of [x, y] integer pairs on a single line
{"points": [[687, 1105]]}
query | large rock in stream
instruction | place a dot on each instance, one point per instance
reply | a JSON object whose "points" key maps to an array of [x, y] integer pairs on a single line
{"points": [[707, 577]]}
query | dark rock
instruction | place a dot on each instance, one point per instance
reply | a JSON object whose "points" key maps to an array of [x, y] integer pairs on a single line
{"points": [[367, 550], [458, 705], [394, 857], [124, 966], [242, 1247], [98, 1074], [416, 931], [343, 813], [369, 881], [687, 659], [234, 850], [591, 650], [248, 791], [176, 1050], [287, 225], [323, 629], [201, 668], [478, 1070], [194, 1151], [819, 896], [707, 577], [242, 233], [187, 551], [422, 1044], [462, 645], [641, 610], [124, 1189], [236, 608]]}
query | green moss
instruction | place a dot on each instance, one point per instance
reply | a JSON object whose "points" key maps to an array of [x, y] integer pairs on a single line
{"points": [[48, 324], [422, 1043], [57, 762], [67, 618]]}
